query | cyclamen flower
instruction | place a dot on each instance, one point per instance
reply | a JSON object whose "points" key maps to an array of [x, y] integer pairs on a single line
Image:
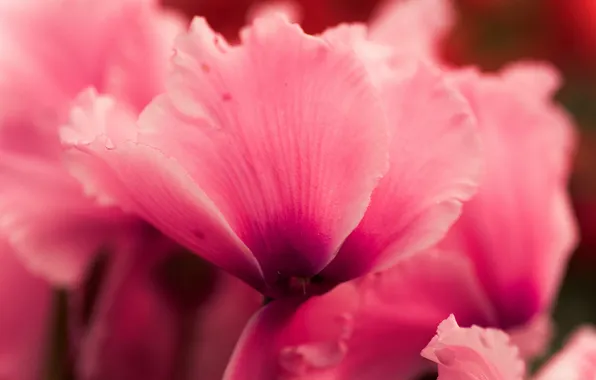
{"points": [[280, 161], [518, 230], [477, 353]]}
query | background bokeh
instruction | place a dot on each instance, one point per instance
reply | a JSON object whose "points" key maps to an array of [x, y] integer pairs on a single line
{"points": [[490, 34]]}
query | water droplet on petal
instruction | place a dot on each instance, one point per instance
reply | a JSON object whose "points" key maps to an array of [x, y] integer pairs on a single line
{"points": [[110, 144], [306, 358]]}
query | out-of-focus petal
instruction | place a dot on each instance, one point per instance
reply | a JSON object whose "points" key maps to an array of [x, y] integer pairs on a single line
{"points": [[421, 194], [121, 47], [533, 337], [413, 27], [518, 229], [25, 319], [368, 329], [576, 361], [473, 353], [132, 329], [221, 321], [49, 221], [156, 311], [288, 8]]}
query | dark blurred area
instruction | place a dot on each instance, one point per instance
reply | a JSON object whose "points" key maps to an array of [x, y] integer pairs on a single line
{"points": [[490, 34]]}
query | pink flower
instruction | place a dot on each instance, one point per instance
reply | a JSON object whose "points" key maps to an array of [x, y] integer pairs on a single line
{"points": [[473, 353], [53, 50], [477, 353], [160, 313], [576, 361], [280, 161], [26, 313], [369, 328], [518, 230]]}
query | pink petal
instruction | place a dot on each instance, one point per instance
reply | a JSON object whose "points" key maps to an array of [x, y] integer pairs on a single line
{"points": [[290, 339], [48, 220], [148, 309], [504, 228], [288, 8], [421, 195], [119, 169], [119, 46], [473, 353], [577, 360], [413, 27], [221, 321], [532, 338], [267, 133], [132, 330], [24, 320], [373, 328]]}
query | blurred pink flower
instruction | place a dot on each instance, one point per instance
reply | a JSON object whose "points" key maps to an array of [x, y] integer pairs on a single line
{"points": [[268, 157], [159, 315], [518, 231], [50, 51], [577, 359], [477, 353], [25, 319]]}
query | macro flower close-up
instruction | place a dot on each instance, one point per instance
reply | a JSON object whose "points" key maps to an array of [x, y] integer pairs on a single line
{"points": [[266, 190]]}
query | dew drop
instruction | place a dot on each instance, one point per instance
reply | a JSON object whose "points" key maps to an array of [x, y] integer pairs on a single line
{"points": [[110, 144]]}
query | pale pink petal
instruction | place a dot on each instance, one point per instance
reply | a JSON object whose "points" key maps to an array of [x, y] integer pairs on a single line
{"points": [[131, 331], [289, 8], [158, 312], [421, 195], [291, 339], [473, 353], [532, 338], [119, 46], [24, 321], [121, 170], [49, 221], [267, 132], [576, 361], [367, 329], [519, 229], [413, 27], [538, 79]]}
